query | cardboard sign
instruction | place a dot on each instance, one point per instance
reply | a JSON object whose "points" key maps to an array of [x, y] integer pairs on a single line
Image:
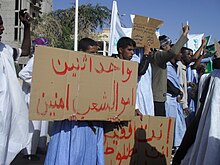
{"points": [[143, 31], [217, 48], [89, 86], [140, 142]]}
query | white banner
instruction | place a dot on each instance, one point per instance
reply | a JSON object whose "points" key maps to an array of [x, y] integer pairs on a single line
{"points": [[116, 31], [195, 40]]}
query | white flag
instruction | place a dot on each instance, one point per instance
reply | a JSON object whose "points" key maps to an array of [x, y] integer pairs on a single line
{"points": [[116, 31], [194, 42]]}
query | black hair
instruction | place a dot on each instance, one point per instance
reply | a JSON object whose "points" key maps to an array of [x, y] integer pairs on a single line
{"points": [[216, 63], [85, 43], [185, 49], [123, 42], [164, 40], [162, 37]]}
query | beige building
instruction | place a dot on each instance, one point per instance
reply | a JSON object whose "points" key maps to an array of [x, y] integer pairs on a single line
{"points": [[103, 41], [9, 10]]}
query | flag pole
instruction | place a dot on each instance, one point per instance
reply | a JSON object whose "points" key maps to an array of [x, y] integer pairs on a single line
{"points": [[76, 26]]}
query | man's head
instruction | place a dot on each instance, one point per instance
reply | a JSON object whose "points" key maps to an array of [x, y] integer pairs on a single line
{"points": [[125, 47], [1, 27], [186, 55], [39, 41], [165, 42], [88, 45]]}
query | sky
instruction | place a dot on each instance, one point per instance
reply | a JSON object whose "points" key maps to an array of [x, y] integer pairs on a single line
{"points": [[203, 16]]}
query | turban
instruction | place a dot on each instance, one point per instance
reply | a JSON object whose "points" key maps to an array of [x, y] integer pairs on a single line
{"points": [[164, 40], [40, 41]]}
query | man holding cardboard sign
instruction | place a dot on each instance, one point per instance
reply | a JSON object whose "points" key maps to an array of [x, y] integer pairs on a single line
{"points": [[143, 32], [77, 142], [125, 47], [159, 72]]}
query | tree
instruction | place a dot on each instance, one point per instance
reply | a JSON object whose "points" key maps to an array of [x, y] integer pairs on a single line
{"points": [[59, 25], [48, 27]]}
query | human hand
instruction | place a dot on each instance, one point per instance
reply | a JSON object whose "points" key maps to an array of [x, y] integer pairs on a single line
{"points": [[186, 112], [192, 85], [25, 17], [114, 119], [147, 49], [138, 113], [204, 41], [185, 30], [179, 98], [72, 117]]}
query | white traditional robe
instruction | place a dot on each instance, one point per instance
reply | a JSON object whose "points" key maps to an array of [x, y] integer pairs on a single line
{"points": [[40, 134], [14, 123], [144, 96], [201, 85], [206, 147], [181, 72]]}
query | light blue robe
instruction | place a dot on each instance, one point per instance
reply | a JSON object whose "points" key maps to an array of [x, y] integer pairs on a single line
{"points": [[173, 108], [192, 76], [75, 143]]}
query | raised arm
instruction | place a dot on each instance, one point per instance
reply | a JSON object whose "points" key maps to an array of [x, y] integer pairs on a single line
{"points": [[146, 59], [26, 43], [198, 61], [198, 52], [162, 57]]}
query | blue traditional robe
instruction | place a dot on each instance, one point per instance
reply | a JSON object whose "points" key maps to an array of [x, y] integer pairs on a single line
{"points": [[76, 143], [173, 108]]}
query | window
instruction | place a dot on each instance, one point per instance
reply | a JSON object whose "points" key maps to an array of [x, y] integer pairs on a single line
{"points": [[16, 34], [16, 18], [16, 4], [20, 4], [19, 34]]}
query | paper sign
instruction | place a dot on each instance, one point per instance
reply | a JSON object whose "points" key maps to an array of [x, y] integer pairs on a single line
{"points": [[91, 87], [143, 31], [217, 48], [139, 142]]}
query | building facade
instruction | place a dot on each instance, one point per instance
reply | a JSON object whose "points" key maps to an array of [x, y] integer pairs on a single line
{"points": [[9, 10]]}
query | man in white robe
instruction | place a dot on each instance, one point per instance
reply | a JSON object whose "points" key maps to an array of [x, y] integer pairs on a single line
{"points": [[201, 143], [144, 97], [14, 124], [40, 134]]}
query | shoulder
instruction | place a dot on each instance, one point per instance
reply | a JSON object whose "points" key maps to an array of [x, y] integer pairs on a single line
{"points": [[6, 48]]}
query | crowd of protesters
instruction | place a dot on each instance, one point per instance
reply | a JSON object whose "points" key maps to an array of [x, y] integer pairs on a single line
{"points": [[171, 82]]}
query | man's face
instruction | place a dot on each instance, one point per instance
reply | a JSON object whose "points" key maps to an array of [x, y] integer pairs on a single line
{"points": [[92, 49], [1, 28], [166, 47], [126, 53], [187, 56]]}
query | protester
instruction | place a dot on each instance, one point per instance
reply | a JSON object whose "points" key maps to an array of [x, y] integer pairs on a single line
{"points": [[77, 142], [192, 79], [39, 136], [186, 54], [165, 43], [201, 143], [159, 71], [188, 75], [144, 96], [126, 47], [14, 123], [172, 105]]}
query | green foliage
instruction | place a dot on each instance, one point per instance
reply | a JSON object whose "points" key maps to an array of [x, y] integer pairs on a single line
{"points": [[48, 27], [59, 25]]}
